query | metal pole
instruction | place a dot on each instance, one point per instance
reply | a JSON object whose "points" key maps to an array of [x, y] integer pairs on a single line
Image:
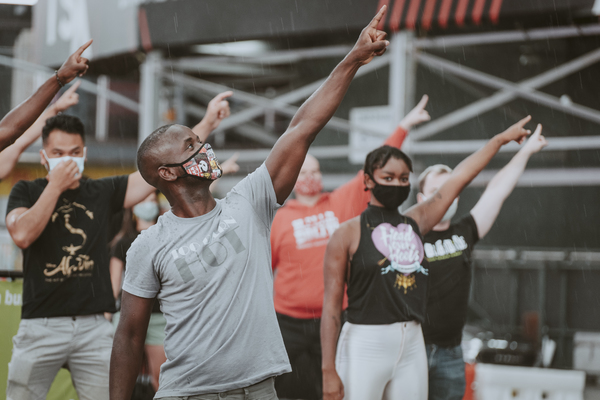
{"points": [[149, 92], [102, 108], [400, 59]]}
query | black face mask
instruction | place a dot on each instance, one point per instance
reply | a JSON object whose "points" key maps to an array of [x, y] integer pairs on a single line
{"points": [[390, 196]]}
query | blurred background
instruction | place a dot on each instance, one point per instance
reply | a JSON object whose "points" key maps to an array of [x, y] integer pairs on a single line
{"points": [[484, 64]]}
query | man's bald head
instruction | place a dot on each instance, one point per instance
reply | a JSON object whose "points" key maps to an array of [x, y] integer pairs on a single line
{"points": [[158, 149]]}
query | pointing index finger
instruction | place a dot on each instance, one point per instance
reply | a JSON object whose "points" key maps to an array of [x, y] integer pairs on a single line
{"points": [[423, 101], [83, 48], [375, 21], [224, 95], [73, 87]]}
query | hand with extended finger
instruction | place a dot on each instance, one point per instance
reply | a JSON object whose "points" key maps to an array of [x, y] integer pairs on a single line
{"points": [[417, 115], [371, 41], [230, 166], [333, 388], [75, 65], [516, 132], [64, 175], [536, 142], [218, 109], [68, 99]]}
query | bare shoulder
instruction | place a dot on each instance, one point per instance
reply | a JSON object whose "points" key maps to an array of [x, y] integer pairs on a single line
{"points": [[348, 236]]}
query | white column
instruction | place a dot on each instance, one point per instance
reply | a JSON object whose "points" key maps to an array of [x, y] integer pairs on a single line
{"points": [[102, 104], [149, 92], [402, 75]]}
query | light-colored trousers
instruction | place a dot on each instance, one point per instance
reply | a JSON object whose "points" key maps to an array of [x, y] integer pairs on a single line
{"points": [[382, 361], [42, 346]]}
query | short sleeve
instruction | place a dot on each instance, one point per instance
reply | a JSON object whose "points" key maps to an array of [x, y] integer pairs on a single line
{"points": [[258, 189], [468, 227], [140, 276], [116, 187], [19, 197], [119, 250]]}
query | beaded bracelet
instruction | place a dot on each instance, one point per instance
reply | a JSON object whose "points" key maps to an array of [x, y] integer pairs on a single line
{"points": [[58, 79]]}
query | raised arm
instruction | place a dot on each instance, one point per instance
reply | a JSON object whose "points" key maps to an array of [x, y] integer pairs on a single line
{"points": [[335, 268], [10, 155], [216, 111], [286, 158], [23, 116], [137, 190], [128, 345], [431, 211], [502, 184]]}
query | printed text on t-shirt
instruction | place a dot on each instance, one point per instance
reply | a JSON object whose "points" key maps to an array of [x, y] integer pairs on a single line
{"points": [[314, 230]]}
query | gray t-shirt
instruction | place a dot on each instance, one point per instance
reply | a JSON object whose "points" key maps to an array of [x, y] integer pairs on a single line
{"points": [[212, 275]]}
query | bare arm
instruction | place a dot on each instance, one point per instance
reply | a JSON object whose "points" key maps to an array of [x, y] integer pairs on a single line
{"points": [[137, 190], [502, 184], [23, 116], [25, 225], [128, 345], [10, 155], [217, 111], [430, 212], [288, 153], [335, 267], [116, 268]]}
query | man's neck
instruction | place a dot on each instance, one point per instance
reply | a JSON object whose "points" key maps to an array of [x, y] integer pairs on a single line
{"points": [[308, 200], [442, 226], [190, 202]]}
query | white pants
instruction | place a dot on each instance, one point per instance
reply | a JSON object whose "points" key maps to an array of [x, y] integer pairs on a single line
{"points": [[382, 361], [43, 345]]}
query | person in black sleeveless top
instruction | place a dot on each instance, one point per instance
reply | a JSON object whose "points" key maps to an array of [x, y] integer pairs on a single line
{"points": [[379, 255]]}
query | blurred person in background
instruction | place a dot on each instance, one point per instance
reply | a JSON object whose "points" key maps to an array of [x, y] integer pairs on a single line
{"points": [[208, 260], [448, 248], [299, 236], [18, 120], [10, 155], [380, 353]]}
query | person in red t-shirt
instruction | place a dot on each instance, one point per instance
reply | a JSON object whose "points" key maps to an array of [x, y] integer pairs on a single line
{"points": [[299, 236]]}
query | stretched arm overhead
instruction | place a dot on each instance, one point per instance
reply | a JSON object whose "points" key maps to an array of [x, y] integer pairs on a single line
{"points": [[502, 184], [10, 155], [431, 211], [23, 116], [216, 111], [286, 158]]}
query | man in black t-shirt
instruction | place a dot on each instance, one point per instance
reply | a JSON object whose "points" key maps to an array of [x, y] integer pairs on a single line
{"points": [[62, 223], [448, 249]]}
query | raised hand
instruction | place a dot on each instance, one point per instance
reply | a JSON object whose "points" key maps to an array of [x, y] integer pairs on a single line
{"points": [[516, 132], [230, 165], [218, 109], [371, 41], [417, 115], [68, 99], [75, 65], [536, 142], [64, 175]]}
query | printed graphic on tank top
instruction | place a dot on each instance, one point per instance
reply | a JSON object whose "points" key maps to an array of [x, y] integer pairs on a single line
{"points": [[388, 273]]}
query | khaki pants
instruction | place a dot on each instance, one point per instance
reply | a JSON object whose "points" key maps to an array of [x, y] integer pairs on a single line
{"points": [[42, 346], [264, 390]]}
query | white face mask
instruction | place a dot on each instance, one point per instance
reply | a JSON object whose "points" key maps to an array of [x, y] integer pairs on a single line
{"points": [[53, 162], [451, 210]]}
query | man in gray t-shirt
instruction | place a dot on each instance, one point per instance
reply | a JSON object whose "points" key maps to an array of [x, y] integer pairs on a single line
{"points": [[208, 261]]}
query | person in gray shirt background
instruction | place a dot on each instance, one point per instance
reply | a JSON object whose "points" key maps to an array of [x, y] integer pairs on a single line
{"points": [[208, 261]]}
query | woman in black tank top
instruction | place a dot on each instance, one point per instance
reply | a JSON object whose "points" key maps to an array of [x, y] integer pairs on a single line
{"points": [[379, 255]]}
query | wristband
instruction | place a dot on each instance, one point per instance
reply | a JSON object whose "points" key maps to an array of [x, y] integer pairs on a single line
{"points": [[62, 85]]}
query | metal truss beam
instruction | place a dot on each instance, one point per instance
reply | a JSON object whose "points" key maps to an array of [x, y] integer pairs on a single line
{"points": [[86, 85], [281, 103], [509, 91], [481, 39]]}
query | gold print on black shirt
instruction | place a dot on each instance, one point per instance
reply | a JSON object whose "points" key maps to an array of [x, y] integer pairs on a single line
{"points": [[71, 263]]}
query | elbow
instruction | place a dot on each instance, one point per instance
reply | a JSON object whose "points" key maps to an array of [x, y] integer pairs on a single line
{"points": [[21, 240]]}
